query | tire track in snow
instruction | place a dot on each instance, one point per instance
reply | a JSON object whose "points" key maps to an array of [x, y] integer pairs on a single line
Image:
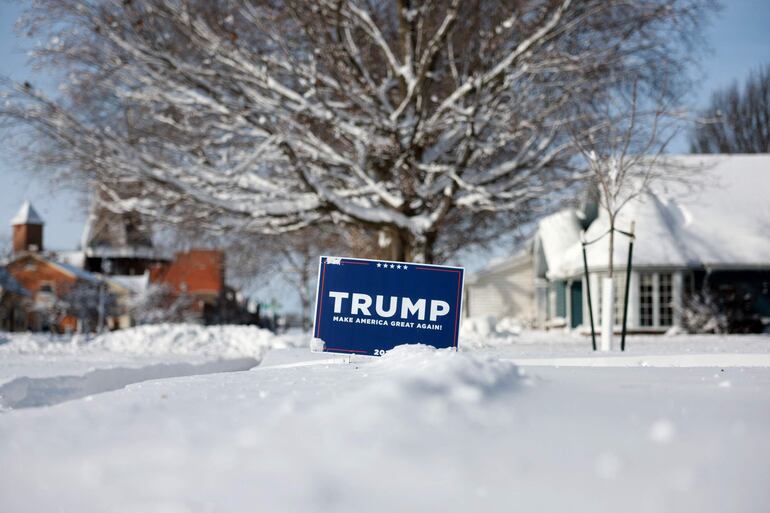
{"points": [[27, 392]]}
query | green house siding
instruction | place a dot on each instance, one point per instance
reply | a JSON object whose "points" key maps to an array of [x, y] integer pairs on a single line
{"points": [[576, 304], [560, 291]]}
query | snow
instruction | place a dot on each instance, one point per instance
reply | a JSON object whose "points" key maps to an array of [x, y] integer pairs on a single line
{"points": [[237, 419], [158, 339]]}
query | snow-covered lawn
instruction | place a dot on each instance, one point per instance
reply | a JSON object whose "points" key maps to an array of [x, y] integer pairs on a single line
{"points": [[152, 420]]}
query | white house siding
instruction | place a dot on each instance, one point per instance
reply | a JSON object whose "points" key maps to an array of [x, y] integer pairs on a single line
{"points": [[508, 292]]}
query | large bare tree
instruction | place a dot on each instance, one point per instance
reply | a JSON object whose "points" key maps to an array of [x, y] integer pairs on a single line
{"points": [[437, 123], [737, 120]]}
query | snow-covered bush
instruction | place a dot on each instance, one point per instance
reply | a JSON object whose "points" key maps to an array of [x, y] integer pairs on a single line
{"points": [[702, 313], [508, 326], [157, 304], [479, 327]]}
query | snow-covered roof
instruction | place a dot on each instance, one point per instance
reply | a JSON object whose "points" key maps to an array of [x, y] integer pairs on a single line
{"points": [[720, 219], [76, 271], [145, 252], [107, 234], [556, 234], [10, 284], [74, 258], [27, 215], [501, 265], [136, 283]]}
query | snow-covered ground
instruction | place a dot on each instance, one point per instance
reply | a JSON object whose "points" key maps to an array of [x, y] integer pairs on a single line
{"points": [[191, 419]]}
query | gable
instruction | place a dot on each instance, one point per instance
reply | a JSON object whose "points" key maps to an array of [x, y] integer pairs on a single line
{"points": [[32, 272]]}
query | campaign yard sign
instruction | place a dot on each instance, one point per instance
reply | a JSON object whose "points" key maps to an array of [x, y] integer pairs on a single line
{"points": [[369, 306]]}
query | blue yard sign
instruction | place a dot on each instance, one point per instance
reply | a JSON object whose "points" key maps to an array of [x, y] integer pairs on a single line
{"points": [[370, 306]]}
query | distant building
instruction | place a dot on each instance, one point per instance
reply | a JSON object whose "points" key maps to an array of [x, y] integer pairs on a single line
{"points": [[711, 238], [117, 244], [50, 285], [199, 275], [113, 281]]}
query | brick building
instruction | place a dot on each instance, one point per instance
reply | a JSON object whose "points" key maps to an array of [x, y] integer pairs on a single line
{"points": [[199, 274], [101, 285], [49, 283]]}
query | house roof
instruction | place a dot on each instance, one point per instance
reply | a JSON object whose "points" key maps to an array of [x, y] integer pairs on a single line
{"points": [[720, 218], [502, 266], [135, 283], [107, 234], [66, 268], [27, 215], [76, 271], [556, 234], [9, 283]]}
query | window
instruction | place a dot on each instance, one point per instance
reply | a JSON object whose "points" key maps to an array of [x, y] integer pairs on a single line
{"points": [[666, 305], [620, 296], [646, 288], [46, 287], [656, 299]]}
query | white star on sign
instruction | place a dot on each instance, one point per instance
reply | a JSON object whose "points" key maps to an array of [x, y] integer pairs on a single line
{"points": [[404, 268], [398, 267], [378, 264], [392, 266]]}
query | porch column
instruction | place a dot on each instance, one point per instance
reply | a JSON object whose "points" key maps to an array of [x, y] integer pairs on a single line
{"points": [[656, 300]]}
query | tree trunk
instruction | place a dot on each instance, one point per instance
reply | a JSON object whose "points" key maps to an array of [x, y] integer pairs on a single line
{"points": [[608, 296], [398, 246], [406, 247], [304, 299], [612, 245]]}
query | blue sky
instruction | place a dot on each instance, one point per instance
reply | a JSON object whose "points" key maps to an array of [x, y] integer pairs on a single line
{"points": [[739, 37]]}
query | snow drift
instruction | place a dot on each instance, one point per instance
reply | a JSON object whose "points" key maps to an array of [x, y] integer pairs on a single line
{"points": [[160, 339]]}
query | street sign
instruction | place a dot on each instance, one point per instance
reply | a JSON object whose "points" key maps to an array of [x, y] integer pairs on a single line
{"points": [[369, 306]]}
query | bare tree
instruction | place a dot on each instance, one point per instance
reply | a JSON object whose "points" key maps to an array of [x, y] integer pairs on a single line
{"points": [[90, 302], [293, 259], [623, 158], [436, 123], [737, 121], [623, 153]]}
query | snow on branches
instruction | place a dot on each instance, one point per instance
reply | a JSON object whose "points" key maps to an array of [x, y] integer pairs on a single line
{"points": [[405, 117]]}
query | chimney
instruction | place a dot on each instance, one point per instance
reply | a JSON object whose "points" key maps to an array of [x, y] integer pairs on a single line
{"points": [[27, 229]]}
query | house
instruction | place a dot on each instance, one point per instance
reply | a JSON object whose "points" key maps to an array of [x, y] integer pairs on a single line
{"points": [[706, 239], [55, 288], [517, 287], [503, 289]]}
